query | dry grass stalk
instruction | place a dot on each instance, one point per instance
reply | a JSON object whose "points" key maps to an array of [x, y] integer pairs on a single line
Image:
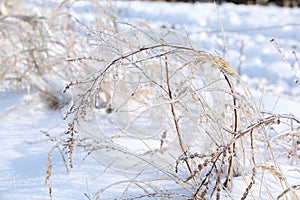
{"points": [[290, 189], [107, 19], [297, 78], [288, 134], [49, 162], [280, 50], [49, 172], [272, 170], [223, 65]]}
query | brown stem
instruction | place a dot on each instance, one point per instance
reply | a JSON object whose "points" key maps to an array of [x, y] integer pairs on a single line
{"points": [[175, 117], [234, 130]]}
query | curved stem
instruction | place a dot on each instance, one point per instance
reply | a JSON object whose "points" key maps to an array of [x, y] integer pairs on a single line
{"points": [[235, 124]]}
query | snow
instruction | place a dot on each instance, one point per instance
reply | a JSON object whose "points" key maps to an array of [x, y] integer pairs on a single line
{"points": [[26, 123]]}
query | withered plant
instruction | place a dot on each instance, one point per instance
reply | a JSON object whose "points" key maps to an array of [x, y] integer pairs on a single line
{"points": [[35, 47], [149, 104], [156, 103], [33, 57]]}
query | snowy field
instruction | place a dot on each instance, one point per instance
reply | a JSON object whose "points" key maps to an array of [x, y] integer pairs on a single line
{"points": [[263, 46]]}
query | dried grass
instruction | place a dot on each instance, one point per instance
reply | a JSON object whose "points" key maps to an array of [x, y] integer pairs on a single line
{"points": [[203, 132], [142, 70]]}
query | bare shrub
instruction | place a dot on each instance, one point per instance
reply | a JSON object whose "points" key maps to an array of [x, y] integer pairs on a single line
{"points": [[34, 51], [31, 56], [155, 103]]}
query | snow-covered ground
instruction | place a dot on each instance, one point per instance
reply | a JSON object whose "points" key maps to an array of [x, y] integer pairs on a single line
{"points": [[261, 41]]}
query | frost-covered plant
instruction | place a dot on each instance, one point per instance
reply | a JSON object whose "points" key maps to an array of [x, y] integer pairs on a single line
{"points": [[156, 103], [35, 48], [33, 56], [149, 104]]}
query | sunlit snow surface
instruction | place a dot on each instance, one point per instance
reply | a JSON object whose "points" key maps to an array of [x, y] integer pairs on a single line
{"points": [[25, 120]]}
